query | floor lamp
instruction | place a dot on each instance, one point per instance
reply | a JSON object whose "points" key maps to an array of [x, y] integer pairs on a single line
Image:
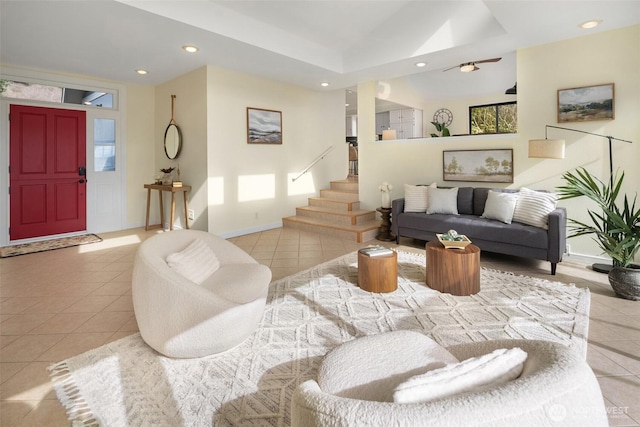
{"points": [[554, 149]]}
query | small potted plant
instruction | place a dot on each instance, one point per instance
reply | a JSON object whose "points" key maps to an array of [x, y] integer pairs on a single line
{"points": [[442, 128], [616, 227]]}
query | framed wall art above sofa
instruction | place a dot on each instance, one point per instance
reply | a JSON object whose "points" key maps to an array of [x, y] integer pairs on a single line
{"points": [[478, 165]]}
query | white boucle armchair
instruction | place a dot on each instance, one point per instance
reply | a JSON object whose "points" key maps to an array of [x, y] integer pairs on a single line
{"points": [[182, 319], [556, 388]]}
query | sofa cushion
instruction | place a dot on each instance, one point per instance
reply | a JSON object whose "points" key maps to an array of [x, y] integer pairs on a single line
{"points": [[416, 197], [478, 228], [534, 207], [196, 262], [500, 206], [443, 201], [465, 200], [474, 374]]}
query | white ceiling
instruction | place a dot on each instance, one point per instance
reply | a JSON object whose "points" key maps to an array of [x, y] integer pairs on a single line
{"points": [[302, 42]]}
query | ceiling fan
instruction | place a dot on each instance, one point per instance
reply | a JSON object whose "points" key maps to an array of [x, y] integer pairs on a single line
{"points": [[471, 66]]}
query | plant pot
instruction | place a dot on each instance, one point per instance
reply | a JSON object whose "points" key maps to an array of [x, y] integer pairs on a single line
{"points": [[625, 282]]}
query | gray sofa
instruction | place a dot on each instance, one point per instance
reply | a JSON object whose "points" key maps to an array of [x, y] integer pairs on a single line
{"points": [[489, 235]]}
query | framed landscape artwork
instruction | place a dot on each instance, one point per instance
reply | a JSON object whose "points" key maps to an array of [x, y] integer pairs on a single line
{"points": [[478, 165], [264, 126], [582, 104]]}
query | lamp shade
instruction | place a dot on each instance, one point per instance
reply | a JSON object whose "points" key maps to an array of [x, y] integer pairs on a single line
{"points": [[389, 134], [467, 67], [546, 148]]}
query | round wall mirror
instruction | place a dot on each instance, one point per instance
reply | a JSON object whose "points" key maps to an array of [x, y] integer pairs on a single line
{"points": [[172, 141]]}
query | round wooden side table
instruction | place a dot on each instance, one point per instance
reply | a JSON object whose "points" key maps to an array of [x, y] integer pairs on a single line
{"points": [[454, 271], [378, 274]]}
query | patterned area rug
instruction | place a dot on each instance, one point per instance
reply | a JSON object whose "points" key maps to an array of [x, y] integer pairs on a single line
{"points": [[307, 314], [47, 245]]}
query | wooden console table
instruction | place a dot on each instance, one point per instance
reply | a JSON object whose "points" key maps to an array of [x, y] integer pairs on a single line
{"points": [[173, 190]]}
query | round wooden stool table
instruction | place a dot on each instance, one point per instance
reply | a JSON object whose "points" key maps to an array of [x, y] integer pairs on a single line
{"points": [[454, 271], [378, 274]]}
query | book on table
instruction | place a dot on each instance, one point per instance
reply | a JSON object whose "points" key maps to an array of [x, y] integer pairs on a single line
{"points": [[374, 251]]}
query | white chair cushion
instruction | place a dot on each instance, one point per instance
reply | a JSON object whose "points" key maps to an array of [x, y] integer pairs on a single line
{"points": [[416, 197], [443, 201], [500, 206], [240, 283], [474, 374], [196, 262], [369, 368], [534, 207]]}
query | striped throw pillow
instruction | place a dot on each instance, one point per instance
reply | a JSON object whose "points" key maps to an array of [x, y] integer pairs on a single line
{"points": [[196, 262], [416, 197], [533, 207]]}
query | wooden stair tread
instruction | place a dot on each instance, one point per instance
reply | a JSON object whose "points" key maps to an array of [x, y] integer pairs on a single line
{"points": [[316, 216], [335, 212], [369, 225]]}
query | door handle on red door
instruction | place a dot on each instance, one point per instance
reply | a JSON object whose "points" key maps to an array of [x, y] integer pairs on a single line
{"points": [[82, 181]]}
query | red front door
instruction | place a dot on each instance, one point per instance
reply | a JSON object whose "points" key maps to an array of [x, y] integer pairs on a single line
{"points": [[47, 182]]}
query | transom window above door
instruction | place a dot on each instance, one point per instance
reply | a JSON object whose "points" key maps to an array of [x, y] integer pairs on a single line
{"points": [[56, 94]]}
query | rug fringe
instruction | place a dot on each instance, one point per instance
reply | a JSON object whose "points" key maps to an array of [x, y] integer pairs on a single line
{"points": [[77, 409]]}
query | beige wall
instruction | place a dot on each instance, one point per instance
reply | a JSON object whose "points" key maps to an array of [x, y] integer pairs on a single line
{"points": [[611, 57], [140, 137], [312, 121], [542, 70], [211, 111], [190, 114]]}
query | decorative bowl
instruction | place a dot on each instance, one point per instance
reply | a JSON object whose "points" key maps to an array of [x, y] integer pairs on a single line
{"points": [[461, 241]]}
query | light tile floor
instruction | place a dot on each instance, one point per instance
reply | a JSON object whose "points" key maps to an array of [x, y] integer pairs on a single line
{"points": [[58, 304]]}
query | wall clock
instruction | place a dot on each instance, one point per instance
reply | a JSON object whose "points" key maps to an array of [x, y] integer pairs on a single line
{"points": [[443, 115]]}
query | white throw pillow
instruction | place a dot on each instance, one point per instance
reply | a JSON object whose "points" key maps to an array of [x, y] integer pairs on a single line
{"points": [[534, 207], [443, 201], [475, 374], [196, 262], [416, 198], [500, 206]]}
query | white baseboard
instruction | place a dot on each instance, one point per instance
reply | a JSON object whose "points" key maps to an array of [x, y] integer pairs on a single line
{"points": [[258, 229], [586, 259]]}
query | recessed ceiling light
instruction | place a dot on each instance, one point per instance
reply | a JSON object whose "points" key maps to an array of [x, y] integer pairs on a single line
{"points": [[324, 84], [141, 72], [590, 24], [190, 49], [420, 64]]}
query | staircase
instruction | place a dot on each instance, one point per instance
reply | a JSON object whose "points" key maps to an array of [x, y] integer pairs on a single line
{"points": [[336, 213]]}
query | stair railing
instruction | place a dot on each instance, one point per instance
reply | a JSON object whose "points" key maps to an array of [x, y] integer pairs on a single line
{"points": [[312, 164]]}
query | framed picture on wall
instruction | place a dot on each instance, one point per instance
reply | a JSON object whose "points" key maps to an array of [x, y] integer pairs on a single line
{"points": [[587, 103], [264, 126], [478, 165]]}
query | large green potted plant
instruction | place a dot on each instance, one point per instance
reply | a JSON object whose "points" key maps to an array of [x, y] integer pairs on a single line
{"points": [[616, 227]]}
